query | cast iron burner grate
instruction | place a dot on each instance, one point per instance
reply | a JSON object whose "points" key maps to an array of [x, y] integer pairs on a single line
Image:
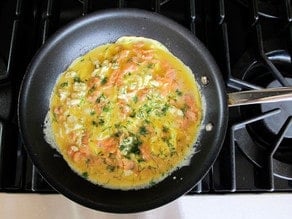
{"points": [[268, 126], [265, 134], [249, 39]]}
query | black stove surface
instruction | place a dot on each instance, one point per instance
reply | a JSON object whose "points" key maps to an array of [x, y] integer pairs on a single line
{"points": [[251, 41]]}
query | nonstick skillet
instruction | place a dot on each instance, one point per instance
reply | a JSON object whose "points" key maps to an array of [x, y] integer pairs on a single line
{"points": [[83, 35]]}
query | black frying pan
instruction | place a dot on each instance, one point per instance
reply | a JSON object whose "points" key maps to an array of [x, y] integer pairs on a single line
{"points": [[76, 39]]}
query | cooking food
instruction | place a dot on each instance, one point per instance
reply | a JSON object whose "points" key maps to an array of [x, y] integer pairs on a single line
{"points": [[125, 115]]}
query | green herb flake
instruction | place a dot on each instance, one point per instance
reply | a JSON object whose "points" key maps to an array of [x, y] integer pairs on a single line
{"points": [[150, 65], [54, 117], [64, 84], [135, 99], [147, 121], [115, 64], [103, 81], [164, 108], [92, 89], [110, 168], [165, 139], [184, 109], [117, 134], [82, 100], [85, 175], [130, 145], [178, 92], [106, 109], [94, 123], [165, 129], [77, 79], [143, 131], [171, 147], [151, 183], [100, 98], [132, 114], [92, 113], [140, 160], [127, 74], [100, 121], [100, 153], [146, 108]]}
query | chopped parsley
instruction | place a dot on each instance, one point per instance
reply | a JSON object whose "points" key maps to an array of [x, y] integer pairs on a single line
{"points": [[143, 131], [115, 64], [147, 108], [97, 123], [64, 84], [106, 108], [100, 98], [127, 74], [77, 79], [117, 125], [130, 145], [178, 92], [147, 121], [132, 114], [85, 174], [151, 183], [54, 117], [169, 144], [117, 134], [110, 168], [82, 100], [135, 99], [94, 123], [164, 109], [91, 89], [150, 65], [103, 81], [165, 129], [184, 109], [100, 121]]}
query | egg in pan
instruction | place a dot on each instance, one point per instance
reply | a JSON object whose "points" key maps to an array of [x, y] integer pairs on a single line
{"points": [[125, 115]]}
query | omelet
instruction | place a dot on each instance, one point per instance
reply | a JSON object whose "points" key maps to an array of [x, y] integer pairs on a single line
{"points": [[125, 115]]}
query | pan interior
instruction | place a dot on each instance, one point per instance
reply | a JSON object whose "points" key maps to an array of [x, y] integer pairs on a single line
{"points": [[75, 40]]}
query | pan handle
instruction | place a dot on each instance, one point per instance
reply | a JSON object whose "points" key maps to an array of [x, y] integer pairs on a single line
{"points": [[268, 95]]}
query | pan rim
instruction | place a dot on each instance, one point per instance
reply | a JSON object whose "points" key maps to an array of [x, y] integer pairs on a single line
{"points": [[74, 25]]}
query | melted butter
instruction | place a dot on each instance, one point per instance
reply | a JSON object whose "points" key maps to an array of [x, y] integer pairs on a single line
{"points": [[125, 115]]}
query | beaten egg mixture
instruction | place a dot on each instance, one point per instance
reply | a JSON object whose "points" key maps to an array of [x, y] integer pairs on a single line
{"points": [[125, 115]]}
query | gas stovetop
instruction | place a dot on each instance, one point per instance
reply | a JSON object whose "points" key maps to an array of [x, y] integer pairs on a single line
{"points": [[251, 41]]}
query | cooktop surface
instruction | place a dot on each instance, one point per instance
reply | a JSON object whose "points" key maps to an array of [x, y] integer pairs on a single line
{"points": [[251, 41]]}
